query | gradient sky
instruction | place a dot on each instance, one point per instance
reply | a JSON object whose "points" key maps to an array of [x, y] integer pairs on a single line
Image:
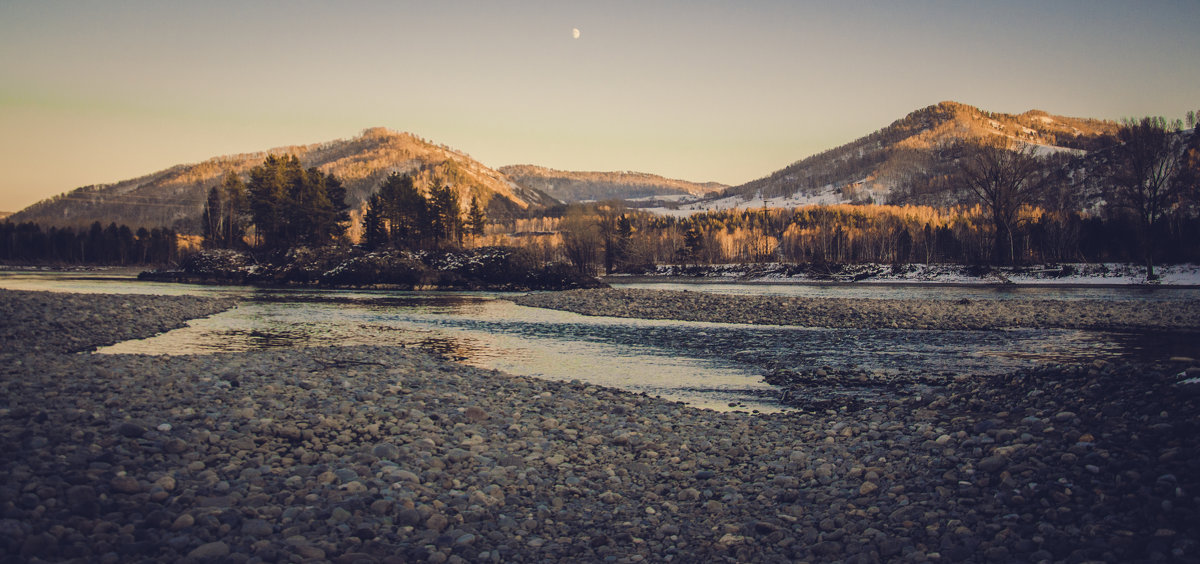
{"points": [[95, 92]]}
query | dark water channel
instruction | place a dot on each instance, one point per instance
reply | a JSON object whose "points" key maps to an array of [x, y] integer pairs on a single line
{"points": [[704, 364]]}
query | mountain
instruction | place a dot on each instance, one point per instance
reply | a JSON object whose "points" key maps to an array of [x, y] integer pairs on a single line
{"points": [[175, 196], [903, 162], [595, 186]]}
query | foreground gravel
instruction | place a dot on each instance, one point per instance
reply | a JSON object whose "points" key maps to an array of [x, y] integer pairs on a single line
{"points": [[378, 454], [57, 322], [872, 313]]}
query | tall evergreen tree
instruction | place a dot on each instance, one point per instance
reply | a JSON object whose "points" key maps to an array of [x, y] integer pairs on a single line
{"points": [[445, 216], [476, 220], [292, 205]]}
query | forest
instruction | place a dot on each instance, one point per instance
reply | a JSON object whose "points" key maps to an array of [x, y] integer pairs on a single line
{"points": [[29, 243]]}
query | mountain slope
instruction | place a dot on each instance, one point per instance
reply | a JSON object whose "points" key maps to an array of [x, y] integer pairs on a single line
{"points": [[175, 196], [902, 162], [584, 186]]}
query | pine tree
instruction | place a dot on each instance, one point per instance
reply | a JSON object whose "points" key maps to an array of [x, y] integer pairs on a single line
{"points": [[476, 221], [375, 233]]}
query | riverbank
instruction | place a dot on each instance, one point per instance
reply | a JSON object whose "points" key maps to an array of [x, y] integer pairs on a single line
{"points": [[385, 454], [1060, 274], [873, 313], [501, 269]]}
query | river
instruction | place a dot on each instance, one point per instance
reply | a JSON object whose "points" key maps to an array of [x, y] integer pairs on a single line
{"points": [[712, 365]]}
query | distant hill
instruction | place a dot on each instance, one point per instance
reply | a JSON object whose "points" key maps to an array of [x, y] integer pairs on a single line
{"points": [[595, 186], [175, 196], [903, 162]]}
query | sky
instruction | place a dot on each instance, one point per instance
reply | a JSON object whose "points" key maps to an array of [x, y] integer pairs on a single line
{"points": [[97, 92]]}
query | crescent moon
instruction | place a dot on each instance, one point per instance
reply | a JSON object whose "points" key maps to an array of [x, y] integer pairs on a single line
{"points": [[575, 33]]}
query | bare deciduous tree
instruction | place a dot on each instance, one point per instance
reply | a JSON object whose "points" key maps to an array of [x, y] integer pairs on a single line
{"points": [[1004, 175], [1147, 163]]}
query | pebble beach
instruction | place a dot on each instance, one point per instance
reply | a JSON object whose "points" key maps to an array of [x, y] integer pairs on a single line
{"points": [[387, 454]]}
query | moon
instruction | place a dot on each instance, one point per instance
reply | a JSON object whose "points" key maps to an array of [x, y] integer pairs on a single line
{"points": [[575, 33]]}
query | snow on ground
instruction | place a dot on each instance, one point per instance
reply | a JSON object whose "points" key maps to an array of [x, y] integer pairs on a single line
{"points": [[827, 196]]}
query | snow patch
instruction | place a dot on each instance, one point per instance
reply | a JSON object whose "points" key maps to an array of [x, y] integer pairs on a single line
{"points": [[826, 196]]}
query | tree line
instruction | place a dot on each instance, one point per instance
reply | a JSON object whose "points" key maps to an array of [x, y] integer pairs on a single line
{"points": [[29, 243]]}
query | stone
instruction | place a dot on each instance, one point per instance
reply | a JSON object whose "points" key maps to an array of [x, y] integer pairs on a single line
{"points": [[217, 549], [386, 451], [130, 430], [993, 464], [183, 521], [868, 488], [408, 517], [257, 528], [126, 484], [175, 446], [436, 522], [475, 413]]}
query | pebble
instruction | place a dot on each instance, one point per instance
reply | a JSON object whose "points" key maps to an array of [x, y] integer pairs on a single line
{"points": [[378, 453], [217, 549]]}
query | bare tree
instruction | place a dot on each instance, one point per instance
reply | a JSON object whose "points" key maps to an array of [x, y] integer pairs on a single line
{"points": [[1146, 166], [1004, 175], [581, 239]]}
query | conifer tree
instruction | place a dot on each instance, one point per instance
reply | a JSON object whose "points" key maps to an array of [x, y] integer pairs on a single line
{"points": [[476, 220]]}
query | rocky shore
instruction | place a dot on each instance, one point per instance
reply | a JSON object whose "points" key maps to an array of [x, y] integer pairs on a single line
{"points": [[378, 454], [873, 313]]}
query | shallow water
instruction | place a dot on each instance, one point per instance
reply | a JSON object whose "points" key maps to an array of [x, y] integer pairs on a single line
{"points": [[709, 365]]}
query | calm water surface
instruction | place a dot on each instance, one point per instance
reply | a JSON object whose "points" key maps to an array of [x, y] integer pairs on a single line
{"points": [[704, 364]]}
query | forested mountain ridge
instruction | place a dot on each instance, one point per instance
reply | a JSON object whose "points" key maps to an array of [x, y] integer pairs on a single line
{"points": [[903, 162], [175, 196], [573, 186]]}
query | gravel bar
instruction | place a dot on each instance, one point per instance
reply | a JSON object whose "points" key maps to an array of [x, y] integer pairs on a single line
{"points": [[384, 454], [872, 313]]}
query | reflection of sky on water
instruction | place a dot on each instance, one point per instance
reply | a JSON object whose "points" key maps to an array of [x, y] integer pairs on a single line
{"points": [[704, 364]]}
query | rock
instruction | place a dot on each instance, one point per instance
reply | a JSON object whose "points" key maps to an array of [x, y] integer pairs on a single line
{"points": [[404, 476], [436, 522], [175, 446], [1064, 416], [409, 517], [167, 483], [257, 528], [131, 430], [475, 413], [183, 521], [217, 549], [457, 455], [868, 488], [386, 451], [126, 484], [993, 464]]}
